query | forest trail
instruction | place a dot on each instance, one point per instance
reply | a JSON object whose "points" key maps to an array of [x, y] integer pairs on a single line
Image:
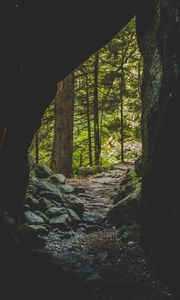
{"points": [[109, 268]]}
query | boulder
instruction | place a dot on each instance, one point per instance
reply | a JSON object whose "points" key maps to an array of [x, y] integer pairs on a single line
{"points": [[40, 229], [32, 219], [65, 188], [93, 218], [75, 204], [45, 204], [47, 186], [32, 202], [58, 178], [42, 171], [126, 211], [60, 222], [55, 211], [42, 215], [54, 195], [75, 219], [27, 207], [127, 186]]}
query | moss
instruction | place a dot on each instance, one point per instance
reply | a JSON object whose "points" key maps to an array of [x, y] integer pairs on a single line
{"points": [[131, 184]]}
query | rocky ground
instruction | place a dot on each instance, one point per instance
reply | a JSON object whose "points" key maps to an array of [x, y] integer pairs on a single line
{"points": [[91, 231]]}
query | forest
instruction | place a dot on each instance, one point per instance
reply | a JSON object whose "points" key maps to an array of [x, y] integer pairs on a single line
{"points": [[96, 114], [89, 150]]}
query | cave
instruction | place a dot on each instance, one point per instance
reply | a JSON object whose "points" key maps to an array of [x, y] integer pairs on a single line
{"points": [[43, 42]]}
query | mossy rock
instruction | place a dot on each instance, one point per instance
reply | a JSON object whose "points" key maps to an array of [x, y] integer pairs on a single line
{"points": [[127, 210], [127, 186], [43, 171]]}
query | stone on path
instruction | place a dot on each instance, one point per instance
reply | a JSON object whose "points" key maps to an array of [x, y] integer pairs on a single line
{"points": [[32, 219], [60, 222], [40, 229], [58, 178], [55, 211], [93, 218], [43, 171]]}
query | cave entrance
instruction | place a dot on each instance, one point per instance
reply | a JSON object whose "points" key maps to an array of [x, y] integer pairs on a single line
{"points": [[95, 118]]}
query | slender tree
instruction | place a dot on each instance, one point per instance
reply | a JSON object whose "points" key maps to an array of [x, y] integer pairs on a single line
{"points": [[88, 122], [96, 110], [61, 161], [122, 88]]}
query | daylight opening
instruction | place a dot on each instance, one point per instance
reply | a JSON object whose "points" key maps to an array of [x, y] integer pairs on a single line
{"points": [[94, 121]]}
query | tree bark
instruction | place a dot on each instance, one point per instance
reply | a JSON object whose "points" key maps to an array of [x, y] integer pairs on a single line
{"points": [[63, 130], [97, 149], [88, 122], [122, 87]]}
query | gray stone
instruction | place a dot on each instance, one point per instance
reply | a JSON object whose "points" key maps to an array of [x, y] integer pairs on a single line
{"points": [[56, 204], [32, 219], [79, 189], [75, 204], [42, 171], [66, 188], [130, 184], [75, 219], [93, 218], [45, 185], [54, 195], [58, 178], [45, 204], [40, 229], [26, 207], [32, 202], [55, 211], [126, 211], [61, 222], [42, 215], [32, 189]]}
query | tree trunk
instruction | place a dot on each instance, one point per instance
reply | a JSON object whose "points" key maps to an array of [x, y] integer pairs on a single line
{"points": [[63, 130], [97, 149], [122, 86], [159, 41], [88, 123]]}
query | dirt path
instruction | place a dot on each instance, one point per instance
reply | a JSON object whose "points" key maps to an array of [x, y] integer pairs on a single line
{"points": [[93, 251]]}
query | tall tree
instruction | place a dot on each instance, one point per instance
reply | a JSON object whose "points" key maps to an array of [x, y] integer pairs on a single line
{"points": [[88, 122], [97, 147], [61, 161], [122, 88]]}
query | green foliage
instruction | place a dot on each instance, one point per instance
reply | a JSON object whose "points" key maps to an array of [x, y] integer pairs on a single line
{"points": [[121, 55], [117, 60]]}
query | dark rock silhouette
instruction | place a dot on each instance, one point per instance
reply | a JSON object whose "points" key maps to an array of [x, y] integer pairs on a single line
{"points": [[43, 41]]}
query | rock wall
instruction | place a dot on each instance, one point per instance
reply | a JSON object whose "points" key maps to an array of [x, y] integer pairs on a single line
{"points": [[159, 42], [34, 56]]}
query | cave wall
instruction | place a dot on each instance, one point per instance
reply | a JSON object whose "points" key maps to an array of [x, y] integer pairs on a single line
{"points": [[159, 42], [35, 55], [41, 42]]}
